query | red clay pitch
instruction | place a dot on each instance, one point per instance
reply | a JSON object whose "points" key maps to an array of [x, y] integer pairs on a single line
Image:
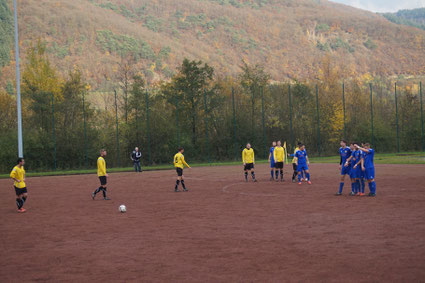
{"points": [[223, 230]]}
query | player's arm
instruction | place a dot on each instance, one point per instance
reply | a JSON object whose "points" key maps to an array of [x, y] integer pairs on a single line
{"points": [[296, 158], [13, 176], [243, 157], [270, 156], [348, 161], [362, 162], [131, 156], [275, 154], [184, 162], [308, 161], [253, 157]]}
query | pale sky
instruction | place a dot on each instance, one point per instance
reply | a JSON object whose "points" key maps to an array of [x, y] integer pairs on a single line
{"points": [[383, 5]]}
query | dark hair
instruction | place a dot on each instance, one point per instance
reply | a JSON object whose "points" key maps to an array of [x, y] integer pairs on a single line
{"points": [[367, 144], [180, 148], [300, 143], [102, 150], [20, 159], [344, 141]]}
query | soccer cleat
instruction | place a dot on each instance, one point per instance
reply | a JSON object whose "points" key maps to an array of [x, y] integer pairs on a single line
{"points": [[22, 210], [338, 194], [357, 194], [293, 180], [106, 198], [271, 179], [176, 190], [352, 194], [299, 183], [361, 194], [93, 195], [308, 182], [255, 180], [371, 195], [185, 190]]}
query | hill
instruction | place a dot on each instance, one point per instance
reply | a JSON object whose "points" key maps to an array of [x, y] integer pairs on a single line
{"points": [[414, 17], [290, 38]]}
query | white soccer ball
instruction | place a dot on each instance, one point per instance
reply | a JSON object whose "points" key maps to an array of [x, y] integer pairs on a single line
{"points": [[122, 208]]}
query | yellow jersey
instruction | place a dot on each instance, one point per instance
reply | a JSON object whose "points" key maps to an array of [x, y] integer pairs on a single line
{"points": [[294, 160], [18, 174], [179, 161], [279, 154], [101, 166], [248, 156]]}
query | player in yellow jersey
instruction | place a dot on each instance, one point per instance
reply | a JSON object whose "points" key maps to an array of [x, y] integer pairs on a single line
{"points": [[279, 157], [248, 162], [18, 176], [179, 164], [101, 173]]}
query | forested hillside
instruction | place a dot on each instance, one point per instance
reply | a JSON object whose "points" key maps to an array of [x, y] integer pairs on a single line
{"points": [[414, 17], [290, 38]]}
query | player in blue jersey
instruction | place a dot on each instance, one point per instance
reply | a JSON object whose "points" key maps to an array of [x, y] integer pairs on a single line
{"points": [[368, 167], [302, 164], [345, 153], [354, 162], [362, 174], [272, 161]]}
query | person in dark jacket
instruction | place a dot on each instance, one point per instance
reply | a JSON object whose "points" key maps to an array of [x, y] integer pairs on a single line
{"points": [[136, 155]]}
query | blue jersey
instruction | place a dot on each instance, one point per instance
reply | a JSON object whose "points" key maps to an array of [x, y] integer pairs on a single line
{"points": [[356, 157], [272, 155], [301, 156], [368, 158], [345, 154]]}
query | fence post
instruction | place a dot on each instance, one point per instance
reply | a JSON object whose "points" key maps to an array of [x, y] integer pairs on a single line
{"points": [[147, 126], [422, 117], [206, 127], [318, 120], [234, 123], [263, 122], [177, 120], [396, 117], [343, 107], [371, 115], [116, 120], [54, 134], [85, 132]]}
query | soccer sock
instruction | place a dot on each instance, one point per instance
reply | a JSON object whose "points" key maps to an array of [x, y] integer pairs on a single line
{"points": [[307, 175], [281, 174], [177, 185], [19, 203], [24, 199], [362, 183], [277, 174], [104, 192], [299, 178], [294, 175], [184, 187], [353, 187], [373, 187], [271, 173], [370, 187], [341, 186], [97, 190], [357, 186], [253, 175], [246, 175]]}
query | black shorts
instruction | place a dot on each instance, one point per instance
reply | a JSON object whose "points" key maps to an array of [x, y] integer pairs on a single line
{"points": [[279, 165], [102, 180], [294, 166], [249, 166], [179, 171], [20, 191]]}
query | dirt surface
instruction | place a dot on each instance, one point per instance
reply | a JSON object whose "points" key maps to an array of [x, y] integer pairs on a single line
{"points": [[223, 230]]}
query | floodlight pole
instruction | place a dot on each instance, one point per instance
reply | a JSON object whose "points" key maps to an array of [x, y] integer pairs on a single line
{"points": [[18, 84]]}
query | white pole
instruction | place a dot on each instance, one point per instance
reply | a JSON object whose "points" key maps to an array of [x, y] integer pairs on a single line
{"points": [[18, 84]]}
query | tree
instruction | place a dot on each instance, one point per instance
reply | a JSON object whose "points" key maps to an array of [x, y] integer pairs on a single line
{"points": [[187, 86]]}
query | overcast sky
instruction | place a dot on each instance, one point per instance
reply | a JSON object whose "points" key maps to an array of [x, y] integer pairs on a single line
{"points": [[383, 5]]}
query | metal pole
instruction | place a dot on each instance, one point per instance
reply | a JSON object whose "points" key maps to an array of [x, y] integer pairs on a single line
{"points": [[371, 115], [343, 108], [54, 134], [86, 155], [290, 116], [318, 120], [206, 127], [234, 124], [177, 120], [396, 117], [116, 120], [264, 124], [18, 84], [147, 126], [422, 117]]}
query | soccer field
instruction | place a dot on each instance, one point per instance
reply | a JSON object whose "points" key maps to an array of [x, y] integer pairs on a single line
{"points": [[222, 230]]}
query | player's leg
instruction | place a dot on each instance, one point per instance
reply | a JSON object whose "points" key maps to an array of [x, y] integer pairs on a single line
{"points": [[277, 171], [179, 178], [341, 184], [19, 202], [183, 185], [24, 198], [299, 171], [307, 175], [253, 173], [370, 175], [295, 173], [272, 165]]}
